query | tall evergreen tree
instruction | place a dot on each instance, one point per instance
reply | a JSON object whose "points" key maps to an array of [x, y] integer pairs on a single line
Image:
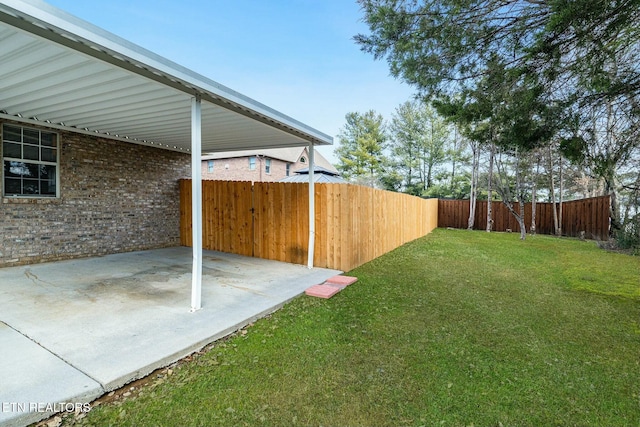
{"points": [[418, 144], [361, 152], [407, 135]]}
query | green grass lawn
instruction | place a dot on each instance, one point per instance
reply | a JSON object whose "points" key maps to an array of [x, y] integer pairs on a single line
{"points": [[457, 328]]}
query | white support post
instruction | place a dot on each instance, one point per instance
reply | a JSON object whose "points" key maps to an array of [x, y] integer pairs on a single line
{"points": [[196, 202], [312, 208]]}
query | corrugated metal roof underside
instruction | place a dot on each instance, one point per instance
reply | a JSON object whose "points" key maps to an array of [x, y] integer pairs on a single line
{"points": [[43, 81]]}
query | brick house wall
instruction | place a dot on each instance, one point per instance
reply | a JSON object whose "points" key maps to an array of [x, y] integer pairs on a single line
{"points": [[238, 169], [114, 197]]}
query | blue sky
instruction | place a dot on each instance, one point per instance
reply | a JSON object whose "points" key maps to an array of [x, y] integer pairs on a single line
{"points": [[296, 56]]}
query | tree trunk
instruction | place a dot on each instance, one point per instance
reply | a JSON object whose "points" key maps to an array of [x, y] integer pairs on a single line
{"points": [[520, 197], [454, 158], [424, 169], [534, 194], [614, 206], [609, 173], [503, 189], [490, 187], [410, 176], [430, 158], [473, 196], [553, 193], [561, 198], [533, 210], [520, 219]]}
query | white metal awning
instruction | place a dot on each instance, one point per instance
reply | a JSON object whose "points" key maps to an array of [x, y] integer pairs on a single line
{"points": [[60, 71]]}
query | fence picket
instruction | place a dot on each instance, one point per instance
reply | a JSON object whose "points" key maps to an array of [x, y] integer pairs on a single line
{"points": [[354, 224], [587, 216]]}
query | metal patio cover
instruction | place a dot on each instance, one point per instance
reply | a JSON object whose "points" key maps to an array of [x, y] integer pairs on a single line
{"points": [[62, 72]]}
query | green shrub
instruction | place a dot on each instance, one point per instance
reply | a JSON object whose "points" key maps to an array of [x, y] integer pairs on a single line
{"points": [[629, 236]]}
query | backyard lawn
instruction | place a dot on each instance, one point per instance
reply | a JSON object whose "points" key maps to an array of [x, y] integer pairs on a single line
{"points": [[457, 328]]}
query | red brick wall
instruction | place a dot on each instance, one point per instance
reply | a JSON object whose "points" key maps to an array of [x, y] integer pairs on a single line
{"points": [[114, 197], [238, 170]]}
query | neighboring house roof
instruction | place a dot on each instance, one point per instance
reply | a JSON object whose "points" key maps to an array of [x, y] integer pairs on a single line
{"points": [[318, 169], [65, 73], [290, 154], [320, 175]]}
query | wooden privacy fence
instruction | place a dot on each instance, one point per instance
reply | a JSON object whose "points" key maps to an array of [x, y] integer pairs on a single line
{"points": [[354, 224], [588, 216]]}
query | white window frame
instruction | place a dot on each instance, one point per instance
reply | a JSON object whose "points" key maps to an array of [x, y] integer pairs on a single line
{"points": [[267, 166], [288, 169], [22, 143], [252, 163], [210, 166]]}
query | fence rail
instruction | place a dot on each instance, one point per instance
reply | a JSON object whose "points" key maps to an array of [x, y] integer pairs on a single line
{"points": [[588, 218], [354, 224]]}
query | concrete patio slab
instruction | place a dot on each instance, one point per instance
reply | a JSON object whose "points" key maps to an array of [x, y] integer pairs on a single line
{"points": [[116, 318], [32, 377]]}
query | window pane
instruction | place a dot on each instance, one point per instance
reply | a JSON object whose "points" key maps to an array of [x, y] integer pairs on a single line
{"points": [[19, 169], [8, 170], [11, 133], [30, 186], [11, 150], [12, 186], [30, 152], [48, 154], [48, 187], [31, 136], [27, 175], [34, 170], [47, 172], [48, 139]]}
